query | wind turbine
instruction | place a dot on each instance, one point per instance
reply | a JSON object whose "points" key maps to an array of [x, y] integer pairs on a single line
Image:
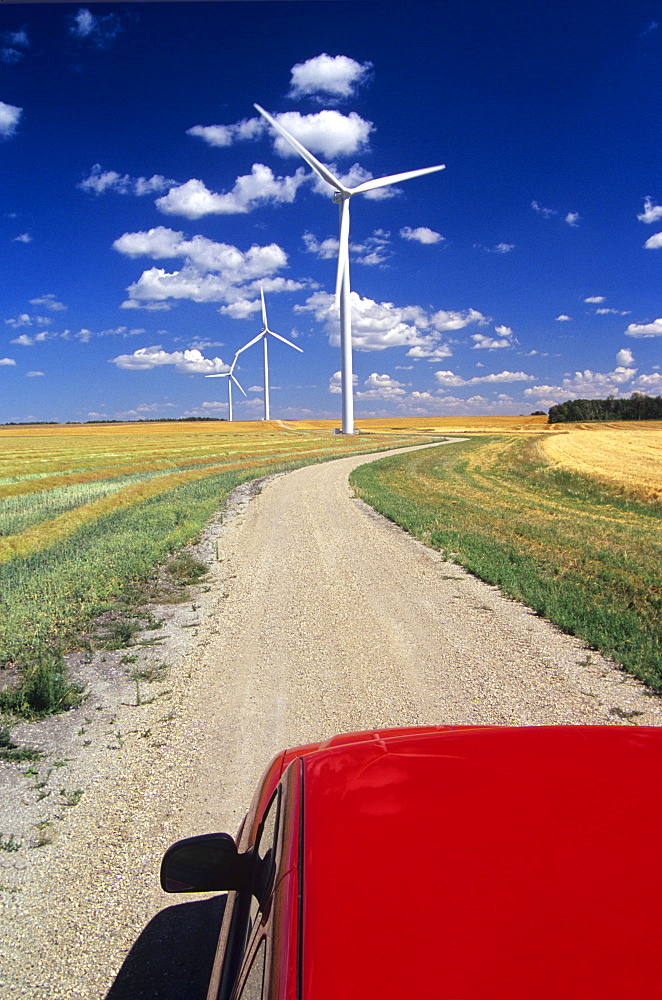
{"points": [[263, 335], [341, 198], [231, 378]]}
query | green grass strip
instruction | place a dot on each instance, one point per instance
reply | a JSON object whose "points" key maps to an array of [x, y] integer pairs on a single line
{"points": [[583, 557]]}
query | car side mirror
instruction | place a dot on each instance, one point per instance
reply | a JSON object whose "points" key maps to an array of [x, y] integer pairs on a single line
{"points": [[209, 863]]}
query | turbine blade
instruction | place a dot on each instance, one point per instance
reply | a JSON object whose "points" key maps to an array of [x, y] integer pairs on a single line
{"points": [[264, 310], [343, 247], [323, 171], [288, 342], [238, 383], [378, 182], [251, 342], [219, 375]]}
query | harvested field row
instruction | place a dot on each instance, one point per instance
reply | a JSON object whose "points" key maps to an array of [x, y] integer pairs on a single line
{"points": [[620, 454]]}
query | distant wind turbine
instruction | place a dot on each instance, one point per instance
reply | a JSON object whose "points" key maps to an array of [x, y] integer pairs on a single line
{"points": [[231, 378], [341, 198], [263, 335]]}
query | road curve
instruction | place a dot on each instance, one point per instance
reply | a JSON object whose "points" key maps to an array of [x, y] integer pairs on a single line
{"points": [[321, 617], [337, 620]]}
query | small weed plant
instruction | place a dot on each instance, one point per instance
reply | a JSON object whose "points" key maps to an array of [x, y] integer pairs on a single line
{"points": [[45, 689], [186, 569], [9, 843], [12, 752]]}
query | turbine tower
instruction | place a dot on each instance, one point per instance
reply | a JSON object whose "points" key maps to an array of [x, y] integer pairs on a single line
{"points": [[341, 198], [231, 378], [263, 335]]}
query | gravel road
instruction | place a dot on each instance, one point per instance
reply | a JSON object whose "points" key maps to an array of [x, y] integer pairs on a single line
{"points": [[319, 617]]}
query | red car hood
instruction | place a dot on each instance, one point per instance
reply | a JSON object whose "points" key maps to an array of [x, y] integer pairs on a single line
{"points": [[493, 864]]}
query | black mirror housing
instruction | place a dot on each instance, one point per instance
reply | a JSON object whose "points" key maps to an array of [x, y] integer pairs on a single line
{"points": [[210, 863]]}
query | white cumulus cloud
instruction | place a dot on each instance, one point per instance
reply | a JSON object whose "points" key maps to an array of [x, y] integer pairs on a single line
{"points": [[157, 243], [651, 212], [100, 181], [9, 119], [505, 338], [335, 382], [625, 357], [14, 42], [429, 352], [194, 200], [586, 384], [448, 379], [444, 320], [650, 384], [324, 249], [334, 76], [421, 235], [327, 132], [84, 23], [654, 242], [191, 361], [227, 135], [381, 387], [653, 329], [49, 301], [23, 319], [379, 325], [375, 325], [211, 272], [547, 213], [99, 30]]}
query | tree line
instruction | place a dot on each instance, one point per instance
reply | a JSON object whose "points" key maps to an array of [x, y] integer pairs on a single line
{"points": [[637, 407]]}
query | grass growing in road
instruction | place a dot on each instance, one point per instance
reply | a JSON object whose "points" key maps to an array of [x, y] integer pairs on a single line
{"points": [[574, 549], [12, 752], [45, 688]]}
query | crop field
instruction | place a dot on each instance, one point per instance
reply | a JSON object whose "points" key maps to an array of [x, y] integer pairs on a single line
{"points": [[551, 521], [624, 455], [88, 511]]}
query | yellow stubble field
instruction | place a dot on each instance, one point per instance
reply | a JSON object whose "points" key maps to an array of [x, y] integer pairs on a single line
{"points": [[624, 454]]}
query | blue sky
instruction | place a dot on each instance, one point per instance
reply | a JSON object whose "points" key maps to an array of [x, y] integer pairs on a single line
{"points": [[144, 202]]}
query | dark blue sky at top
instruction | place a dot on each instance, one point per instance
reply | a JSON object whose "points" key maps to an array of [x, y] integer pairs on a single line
{"points": [[548, 118]]}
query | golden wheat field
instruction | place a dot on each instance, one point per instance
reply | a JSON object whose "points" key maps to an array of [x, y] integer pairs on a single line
{"points": [[54, 478], [624, 454], [457, 425]]}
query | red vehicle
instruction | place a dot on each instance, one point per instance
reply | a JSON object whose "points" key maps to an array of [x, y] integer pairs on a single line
{"points": [[443, 863]]}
